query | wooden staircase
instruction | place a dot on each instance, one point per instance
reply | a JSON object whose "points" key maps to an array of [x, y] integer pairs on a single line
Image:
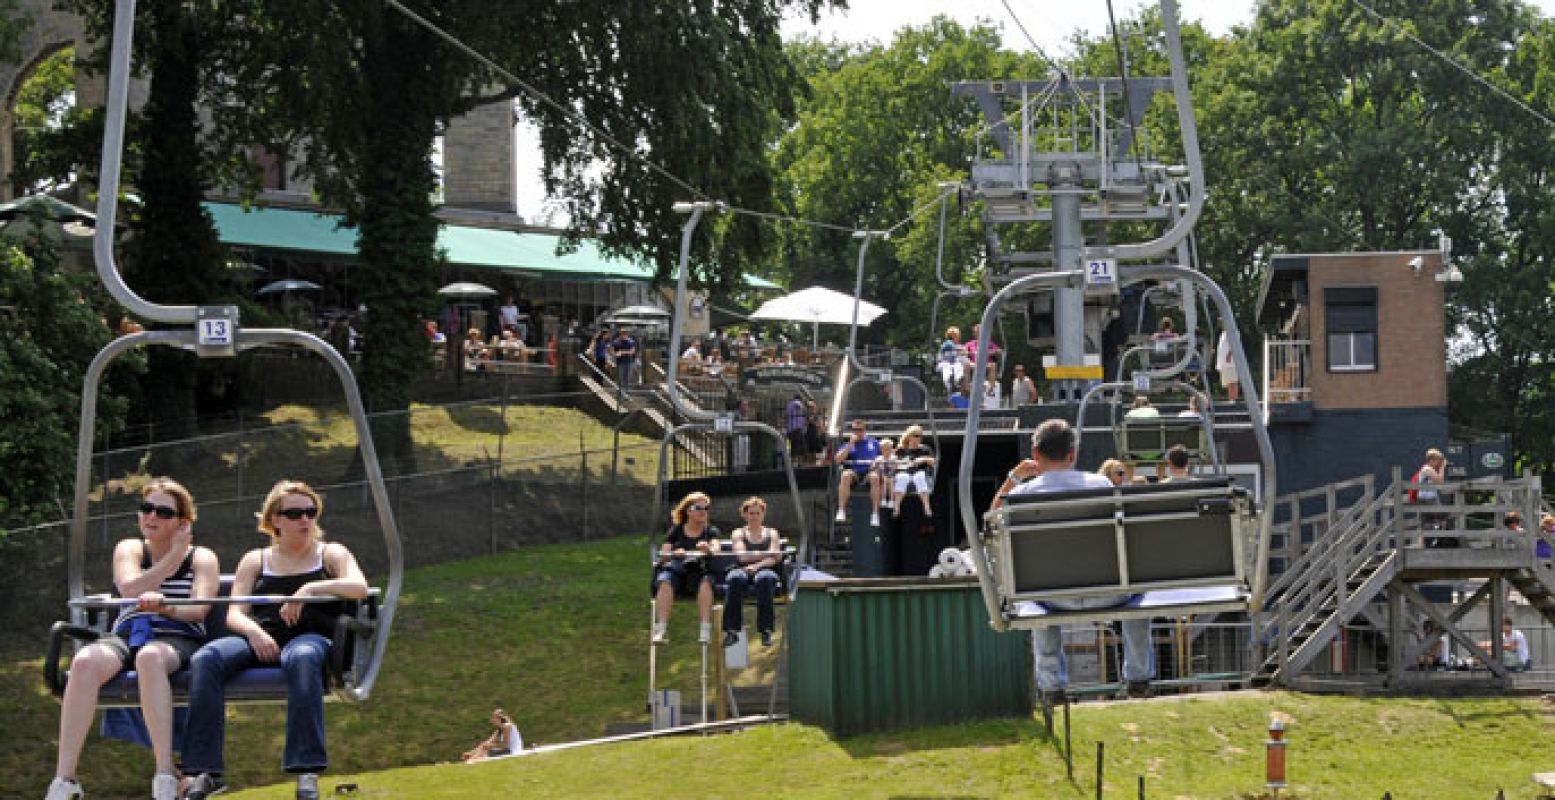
{"points": [[1368, 559]]}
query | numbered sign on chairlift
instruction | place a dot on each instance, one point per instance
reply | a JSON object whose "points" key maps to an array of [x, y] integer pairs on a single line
{"points": [[1141, 382], [216, 330], [1101, 273], [723, 423]]}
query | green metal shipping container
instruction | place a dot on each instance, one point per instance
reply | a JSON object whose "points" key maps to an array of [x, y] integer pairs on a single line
{"points": [[872, 654]]}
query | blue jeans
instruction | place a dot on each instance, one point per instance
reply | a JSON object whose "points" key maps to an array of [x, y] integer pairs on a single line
{"points": [[1138, 651], [303, 660], [739, 582]]}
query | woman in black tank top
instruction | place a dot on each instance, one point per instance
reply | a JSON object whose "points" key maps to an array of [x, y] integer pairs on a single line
{"points": [[760, 552], [153, 639], [298, 563]]}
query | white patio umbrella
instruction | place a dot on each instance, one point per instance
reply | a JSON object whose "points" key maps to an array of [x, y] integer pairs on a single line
{"points": [[466, 289], [817, 305]]}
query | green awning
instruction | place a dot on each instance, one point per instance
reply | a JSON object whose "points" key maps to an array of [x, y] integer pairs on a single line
{"points": [[531, 253]]}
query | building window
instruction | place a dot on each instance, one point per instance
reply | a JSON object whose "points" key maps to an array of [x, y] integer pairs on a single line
{"points": [[1351, 317]]}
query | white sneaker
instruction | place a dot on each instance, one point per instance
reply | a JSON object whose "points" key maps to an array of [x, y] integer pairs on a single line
{"points": [[661, 633], [842, 515], [874, 519], [705, 633], [63, 789], [164, 787], [886, 503]]}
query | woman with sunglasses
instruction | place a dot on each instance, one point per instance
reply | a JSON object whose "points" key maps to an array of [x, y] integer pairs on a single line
{"points": [[759, 550], [298, 563], [1119, 473], [162, 563], [682, 568]]}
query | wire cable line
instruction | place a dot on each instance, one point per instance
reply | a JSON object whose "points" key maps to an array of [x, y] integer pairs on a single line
{"points": [[1474, 76]]}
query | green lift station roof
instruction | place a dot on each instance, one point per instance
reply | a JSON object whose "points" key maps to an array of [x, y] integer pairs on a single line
{"points": [[301, 231]]}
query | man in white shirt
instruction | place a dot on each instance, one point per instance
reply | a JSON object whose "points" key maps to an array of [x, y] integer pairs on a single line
{"points": [[1051, 469], [1514, 647]]}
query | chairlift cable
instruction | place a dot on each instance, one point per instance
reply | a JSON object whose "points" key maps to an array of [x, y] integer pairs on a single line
{"points": [[1122, 49], [1387, 22], [1063, 73]]}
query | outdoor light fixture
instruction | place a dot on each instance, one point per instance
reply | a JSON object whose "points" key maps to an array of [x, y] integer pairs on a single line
{"points": [[1416, 263]]}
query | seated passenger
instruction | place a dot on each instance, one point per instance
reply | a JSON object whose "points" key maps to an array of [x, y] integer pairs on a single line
{"points": [[1514, 647], [951, 360], [883, 468], [1177, 465], [1192, 411], [474, 351], [691, 359], [162, 563], [510, 347], [857, 457], [760, 552], [1142, 409], [1116, 471], [297, 636], [1054, 447], [914, 459], [504, 741], [682, 568], [1437, 655]]}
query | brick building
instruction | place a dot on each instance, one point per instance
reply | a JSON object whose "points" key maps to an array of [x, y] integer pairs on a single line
{"points": [[1354, 363]]}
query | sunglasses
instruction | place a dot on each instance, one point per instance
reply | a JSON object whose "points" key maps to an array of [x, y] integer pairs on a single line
{"points": [[162, 512], [700, 507], [295, 514]]}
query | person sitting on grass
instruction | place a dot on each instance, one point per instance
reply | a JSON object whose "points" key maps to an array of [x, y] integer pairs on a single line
{"points": [[504, 741], [760, 552], [682, 569]]}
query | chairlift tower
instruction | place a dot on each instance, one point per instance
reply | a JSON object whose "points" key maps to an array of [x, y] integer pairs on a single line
{"points": [[1068, 153]]}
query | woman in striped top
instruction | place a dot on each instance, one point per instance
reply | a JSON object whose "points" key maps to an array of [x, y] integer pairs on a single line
{"points": [[162, 563]]}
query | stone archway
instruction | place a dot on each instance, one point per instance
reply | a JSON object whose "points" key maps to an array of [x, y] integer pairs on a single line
{"points": [[46, 32]]}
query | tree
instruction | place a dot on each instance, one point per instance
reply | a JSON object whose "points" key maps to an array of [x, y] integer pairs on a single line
{"points": [[878, 133], [1504, 233], [49, 331], [690, 86]]}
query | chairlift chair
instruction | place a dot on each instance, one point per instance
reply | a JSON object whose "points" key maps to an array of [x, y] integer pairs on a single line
{"points": [[720, 423], [1188, 547], [212, 331]]}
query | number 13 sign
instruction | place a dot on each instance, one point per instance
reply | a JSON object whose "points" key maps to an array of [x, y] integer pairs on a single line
{"points": [[216, 332]]}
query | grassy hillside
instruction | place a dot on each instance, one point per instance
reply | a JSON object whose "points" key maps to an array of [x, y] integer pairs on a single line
{"points": [[556, 635], [1199, 747]]}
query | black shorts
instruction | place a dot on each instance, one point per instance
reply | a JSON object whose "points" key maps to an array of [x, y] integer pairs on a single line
{"points": [[184, 646]]}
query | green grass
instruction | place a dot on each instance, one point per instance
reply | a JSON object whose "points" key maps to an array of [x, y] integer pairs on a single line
{"points": [[556, 635], [1203, 747]]}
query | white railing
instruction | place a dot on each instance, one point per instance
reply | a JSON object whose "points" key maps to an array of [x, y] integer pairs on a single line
{"points": [[1287, 365]]}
